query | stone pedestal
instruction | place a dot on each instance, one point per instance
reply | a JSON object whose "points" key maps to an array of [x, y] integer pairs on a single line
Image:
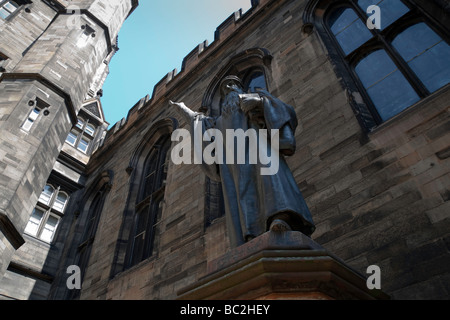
{"points": [[280, 266]]}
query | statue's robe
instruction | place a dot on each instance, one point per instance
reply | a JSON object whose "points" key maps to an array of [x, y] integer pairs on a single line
{"points": [[251, 199]]}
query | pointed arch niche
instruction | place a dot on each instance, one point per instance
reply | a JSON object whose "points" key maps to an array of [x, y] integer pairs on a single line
{"points": [[253, 67]]}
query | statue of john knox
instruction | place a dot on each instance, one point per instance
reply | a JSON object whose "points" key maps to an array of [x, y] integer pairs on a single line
{"points": [[254, 203]]}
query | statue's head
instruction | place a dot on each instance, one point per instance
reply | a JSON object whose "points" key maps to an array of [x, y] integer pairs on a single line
{"points": [[229, 84]]}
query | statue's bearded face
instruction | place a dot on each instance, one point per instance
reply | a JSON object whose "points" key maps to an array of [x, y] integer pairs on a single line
{"points": [[230, 86], [231, 92], [231, 99]]}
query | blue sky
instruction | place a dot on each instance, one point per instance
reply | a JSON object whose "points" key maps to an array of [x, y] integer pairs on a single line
{"points": [[153, 41]]}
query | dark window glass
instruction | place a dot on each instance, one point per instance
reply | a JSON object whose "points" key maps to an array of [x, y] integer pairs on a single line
{"points": [[90, 228], [2, 62], [390, 10], [148, 202], [348, 29], [151, 173], [139, 237], [256, 81], [389, 90], [397, 67], [94, 212], [426, 54]]}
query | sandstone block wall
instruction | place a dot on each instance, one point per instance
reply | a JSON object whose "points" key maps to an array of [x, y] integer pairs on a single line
{"points": [[379, 198]]}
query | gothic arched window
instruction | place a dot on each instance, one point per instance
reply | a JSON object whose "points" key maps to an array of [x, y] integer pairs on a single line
{"points": [[90, 229], [401, 59], [148, 203], [148, 170], [88, 216]]}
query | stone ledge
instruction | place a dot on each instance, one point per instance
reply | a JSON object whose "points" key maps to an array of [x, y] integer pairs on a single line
{"points": [[280, 266], [10, 232], [267, 241]]}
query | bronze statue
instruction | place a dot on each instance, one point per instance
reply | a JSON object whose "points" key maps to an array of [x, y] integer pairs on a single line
{"points": [[254, 202]]}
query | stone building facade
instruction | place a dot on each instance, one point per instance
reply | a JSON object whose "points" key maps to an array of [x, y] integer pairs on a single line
{"points": [[372, 158], [54, 60]]}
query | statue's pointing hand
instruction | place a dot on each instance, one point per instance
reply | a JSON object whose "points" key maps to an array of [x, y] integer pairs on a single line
{"points": [[187, 114]]}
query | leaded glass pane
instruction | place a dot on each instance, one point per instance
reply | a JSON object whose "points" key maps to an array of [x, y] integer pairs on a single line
{"points": [[426, 53], [49, 229], [390, 10], [71, 139], [46, 195], [348, 29], [389, 90], [90, 129], [60, 202], [32, 227], [83, 145]]}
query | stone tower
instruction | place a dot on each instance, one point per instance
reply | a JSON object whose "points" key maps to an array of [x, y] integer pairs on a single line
{"points": [[54, 59]]}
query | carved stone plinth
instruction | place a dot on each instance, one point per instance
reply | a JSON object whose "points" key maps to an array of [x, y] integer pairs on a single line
{"points": [[280, 266]]}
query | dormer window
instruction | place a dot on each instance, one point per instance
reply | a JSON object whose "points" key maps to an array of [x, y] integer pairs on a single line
{"points": [[90, 130], [80, 124], [83, 145], [82, 135], [72, 139]]}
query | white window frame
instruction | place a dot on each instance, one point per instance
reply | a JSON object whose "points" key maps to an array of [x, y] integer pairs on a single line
{"points": [[32, 118], [75, 140], [49, 211], [41, 225], [33, 226], [90, 129], [59, 202], [80, 123], [83, 141], [84, 132], [42, 200], [9, 11], [43, 228]]}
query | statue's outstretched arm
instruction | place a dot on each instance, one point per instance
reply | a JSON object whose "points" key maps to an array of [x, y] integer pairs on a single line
{"points": [[187, 114]]}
